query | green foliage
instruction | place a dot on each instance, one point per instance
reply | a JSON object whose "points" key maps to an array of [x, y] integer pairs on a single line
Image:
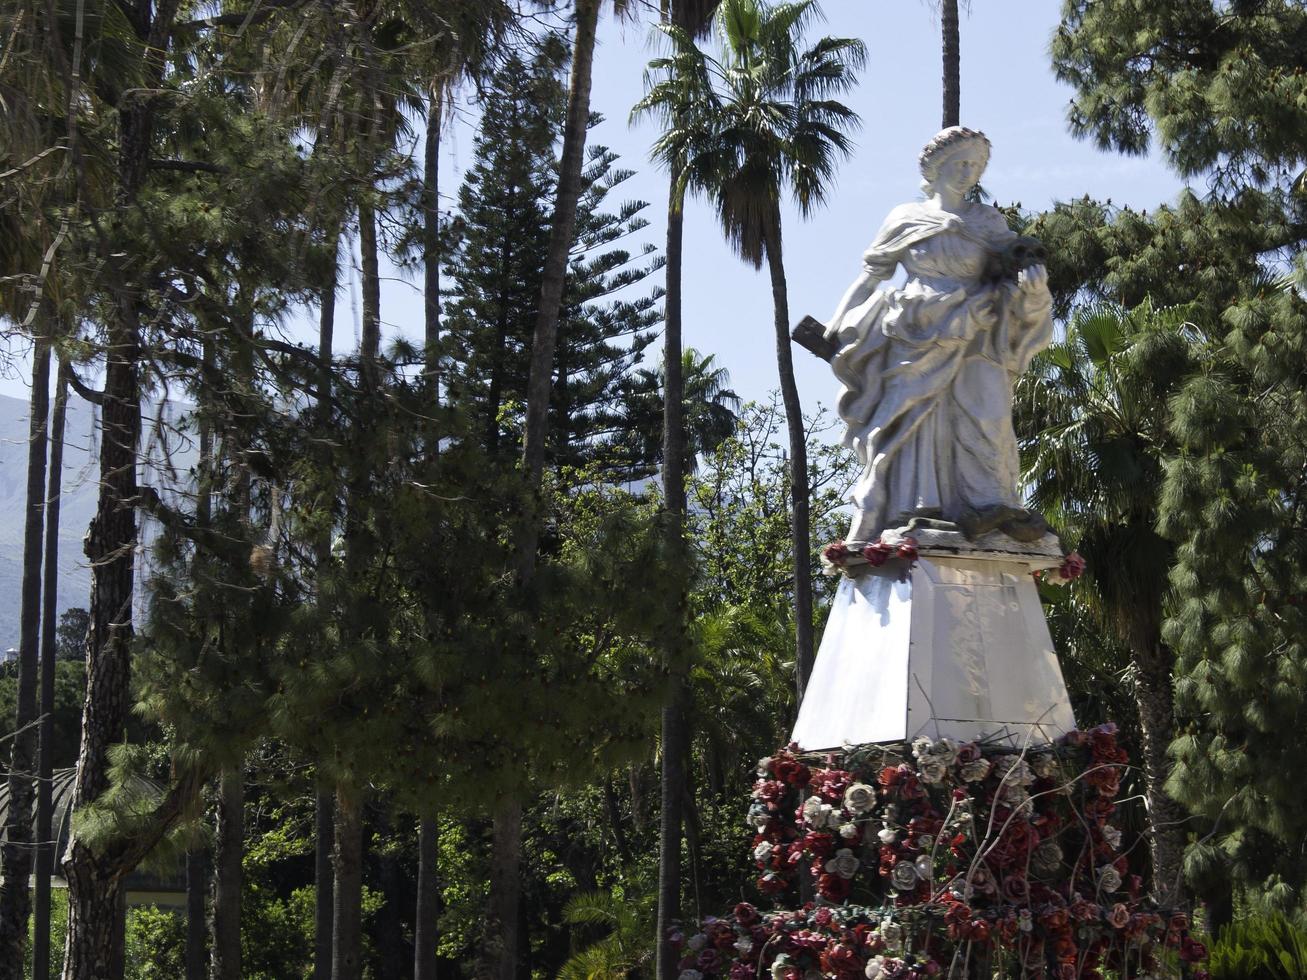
{"points": [[623, 949], [1222, 86], [1268, 947], [156, 943], [69, 690]]}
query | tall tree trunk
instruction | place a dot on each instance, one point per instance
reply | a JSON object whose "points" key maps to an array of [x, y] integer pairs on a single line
{"points": [[948, 16], [431, 245], [675, 737], [197, 879], [1155, 698], [505, 884], [16, 854], [347, 949], [370, 339], [49, 614], [426, 932], [503, 954], [800, 531], [94, 945], [324, 800], [555, 267], [388, 927], [225, 955], [96, 910]]}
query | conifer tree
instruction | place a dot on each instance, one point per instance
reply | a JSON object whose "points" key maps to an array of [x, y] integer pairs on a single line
{"points": [[1222, 89]]}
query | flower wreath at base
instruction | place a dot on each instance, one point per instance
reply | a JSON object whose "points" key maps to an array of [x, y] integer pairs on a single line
{"points": [[946, 860]]}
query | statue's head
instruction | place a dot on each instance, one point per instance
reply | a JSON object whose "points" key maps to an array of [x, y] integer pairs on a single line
{"points": [[948, 144]]}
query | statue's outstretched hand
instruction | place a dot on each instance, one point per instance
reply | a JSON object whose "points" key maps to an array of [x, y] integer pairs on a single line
{"points": [[1033, 279]]}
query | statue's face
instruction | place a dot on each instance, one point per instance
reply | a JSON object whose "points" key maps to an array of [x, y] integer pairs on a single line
{"points": [[961, 171]]}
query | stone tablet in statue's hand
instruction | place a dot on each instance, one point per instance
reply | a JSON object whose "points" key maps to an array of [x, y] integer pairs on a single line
{"points": [[1033, 279]]}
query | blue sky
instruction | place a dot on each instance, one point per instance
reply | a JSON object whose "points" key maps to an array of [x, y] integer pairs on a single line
{"points": [[1008, 90]]}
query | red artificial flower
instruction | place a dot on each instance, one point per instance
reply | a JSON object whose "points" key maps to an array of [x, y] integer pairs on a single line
{"points": [[790, 771], [837, 553], [877, 554], [834, 888], [1073, 566], [746, 915], [819, 844], [830, 784], [908, 549], [841, 962]]}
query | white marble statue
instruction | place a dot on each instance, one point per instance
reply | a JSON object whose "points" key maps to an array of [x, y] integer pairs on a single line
{"points": [[927, 368]]}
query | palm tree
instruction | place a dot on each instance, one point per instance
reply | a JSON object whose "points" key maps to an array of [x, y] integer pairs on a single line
{"points": [[708, 407], [746, 128], [1092, 412], [948, 18]]}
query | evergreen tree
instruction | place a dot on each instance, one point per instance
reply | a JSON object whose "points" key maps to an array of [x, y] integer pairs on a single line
{"points": [[1222, 89], [495, 265]]}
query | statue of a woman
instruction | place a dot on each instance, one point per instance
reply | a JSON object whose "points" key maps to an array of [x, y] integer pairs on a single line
{"points": [[927, 368]]}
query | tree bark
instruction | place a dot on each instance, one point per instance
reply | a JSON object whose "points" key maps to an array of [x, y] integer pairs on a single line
{"points": [[347, 946], [225, 954], [1155, 699], [16, 854], [324, 897], [96, 911], [431, 245], [426, 932], [948, 15], [502, 948], [94, 945], [555, 266], [324, 799], [370, 339], [800, 531], [675, 738], [388, 927], [197, 880], [49, 614]]}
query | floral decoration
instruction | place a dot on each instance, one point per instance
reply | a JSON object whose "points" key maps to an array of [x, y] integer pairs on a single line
{"points": [[1072, 567], [926, 858], [839, 557]]}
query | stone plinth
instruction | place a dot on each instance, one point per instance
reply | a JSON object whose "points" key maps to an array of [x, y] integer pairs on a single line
{"points": [[957, 647]]}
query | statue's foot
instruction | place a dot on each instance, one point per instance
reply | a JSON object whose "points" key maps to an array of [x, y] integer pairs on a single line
{"points": [[1027, 527], [977, 523]]}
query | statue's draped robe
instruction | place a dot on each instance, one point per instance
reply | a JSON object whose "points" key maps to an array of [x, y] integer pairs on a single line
{"points": [[927, 369]]}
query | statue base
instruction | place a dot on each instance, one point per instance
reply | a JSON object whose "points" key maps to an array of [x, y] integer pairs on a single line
{"points": [[956, 647]]}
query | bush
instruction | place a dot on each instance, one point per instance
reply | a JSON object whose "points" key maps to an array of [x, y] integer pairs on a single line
{"points": [[1269, 947]]}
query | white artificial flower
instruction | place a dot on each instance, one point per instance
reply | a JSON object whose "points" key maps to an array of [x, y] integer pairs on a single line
{"points": [[764, 766], [845, 863], [1109, 879], [891, 932], [860, 799], [1113, 836], [1024, 922], [975, 770], [819, 815], [759, 820], [903, 876], [945, 750], [887, 834], [779, 966], [921, 747], [1043, 764], [923, 866], [848, 830], [743, 945], [691, 975], [932, 770], [1013, 770], [763, 851], [875, 967]]}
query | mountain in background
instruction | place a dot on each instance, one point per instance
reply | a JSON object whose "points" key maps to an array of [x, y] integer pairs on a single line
{"points": [[80, 473]]}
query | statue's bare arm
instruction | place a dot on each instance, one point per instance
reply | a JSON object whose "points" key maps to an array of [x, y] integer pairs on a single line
{"points": [[855, 295]]}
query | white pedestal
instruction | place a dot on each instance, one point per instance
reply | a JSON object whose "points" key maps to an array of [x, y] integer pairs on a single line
{"points": [[958, 650]]}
